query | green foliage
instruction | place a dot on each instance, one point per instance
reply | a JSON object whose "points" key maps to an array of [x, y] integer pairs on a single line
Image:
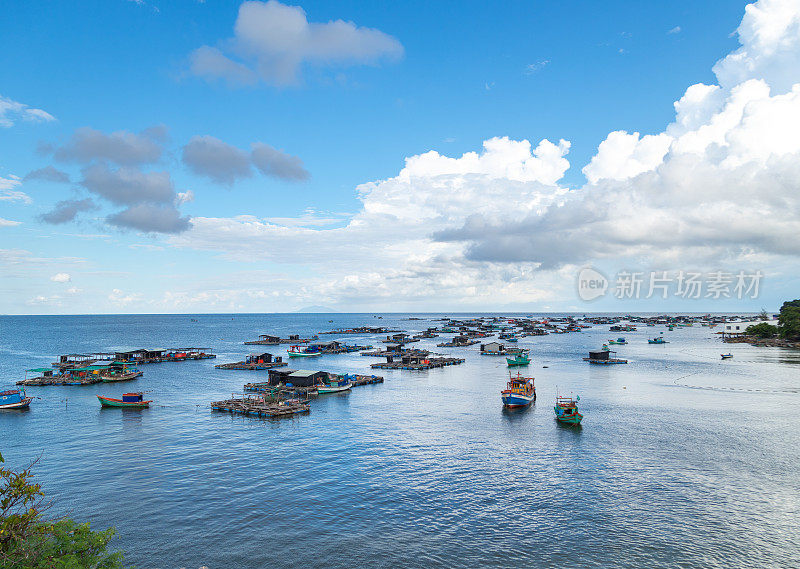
{"points": [[789, 320], [762, 330], [28, 541]]}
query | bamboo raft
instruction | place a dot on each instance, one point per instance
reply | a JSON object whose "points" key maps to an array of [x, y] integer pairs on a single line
{"points": [[261, 405], [431, 363], [252, 366]]}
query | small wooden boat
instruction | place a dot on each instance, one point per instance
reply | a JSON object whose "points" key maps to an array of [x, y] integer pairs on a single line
{"points": [[299, 352], [618, 342], [566, 409], [129, 400], [519, 392], [726, 356], [335, 384], [14, 399], [657, 341], [518, 360]]}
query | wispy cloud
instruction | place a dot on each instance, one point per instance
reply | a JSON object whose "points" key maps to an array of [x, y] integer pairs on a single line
{"points": [[675, 30], [537, 66], [12, 111]]}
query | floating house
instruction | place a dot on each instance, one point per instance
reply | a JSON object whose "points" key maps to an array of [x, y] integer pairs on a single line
{"points": [[459, 341], [270, 340], [604, 357], [255, 362], [417, 362]]}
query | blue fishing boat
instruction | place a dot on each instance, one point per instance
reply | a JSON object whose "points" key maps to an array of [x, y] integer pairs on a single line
{"points": [[619, 341], [566, 409], [14, 399], [658, 340], [335, 384], [300, 352], [519, 392]]}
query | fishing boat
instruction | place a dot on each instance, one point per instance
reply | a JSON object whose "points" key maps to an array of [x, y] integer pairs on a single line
{"points": [[519, 392], [566, 409], [518, 360], [335, 384], [300, 352], [726, 356], [605, 348], [129, 401], [14, 399], [618, 342], [657, 341]]}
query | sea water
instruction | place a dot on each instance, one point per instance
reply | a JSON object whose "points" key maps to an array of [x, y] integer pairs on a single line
{"points": [[683, 460]]}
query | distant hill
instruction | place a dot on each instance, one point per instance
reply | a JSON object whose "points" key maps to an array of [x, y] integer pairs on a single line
{"points": [[316, 309]]}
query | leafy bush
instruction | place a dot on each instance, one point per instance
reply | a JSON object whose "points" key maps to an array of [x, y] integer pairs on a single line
{"points": [[28, 541], [762, 330]]}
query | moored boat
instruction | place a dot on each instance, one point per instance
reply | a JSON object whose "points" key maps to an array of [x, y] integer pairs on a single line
{"points": [[299, 352], [518, 360], [129, 400], [618, 342], [658, 340], [726, 356], [519, 392], [566, 409], [335, 384], [14, 399]]}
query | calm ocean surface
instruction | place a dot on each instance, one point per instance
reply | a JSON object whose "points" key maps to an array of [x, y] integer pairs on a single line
{"points": [[683, 460]]}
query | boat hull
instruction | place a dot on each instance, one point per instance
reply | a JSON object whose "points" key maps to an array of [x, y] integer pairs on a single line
{"points": [[516, 400], [333, 388], [571, 420], [303, 355], [24, 404], [110, 402]]}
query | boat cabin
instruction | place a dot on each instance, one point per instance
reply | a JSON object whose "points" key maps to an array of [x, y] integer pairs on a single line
{"points": [[493, 348], [306, 378], [600, 355], [279, 375], [265, 358]]}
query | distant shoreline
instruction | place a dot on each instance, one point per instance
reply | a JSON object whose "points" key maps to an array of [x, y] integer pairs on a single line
{"points": [[763, 342]]}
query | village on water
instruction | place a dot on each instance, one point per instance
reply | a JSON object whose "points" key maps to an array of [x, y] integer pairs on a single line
{"points": [[289, 375]]}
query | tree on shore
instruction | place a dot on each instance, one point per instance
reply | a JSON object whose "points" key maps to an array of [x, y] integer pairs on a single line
{"points": [[762, 330], [789, 320], [29, 541]]}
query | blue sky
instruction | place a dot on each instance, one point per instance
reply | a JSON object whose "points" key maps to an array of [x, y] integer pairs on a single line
{"points": [[441, 77]]}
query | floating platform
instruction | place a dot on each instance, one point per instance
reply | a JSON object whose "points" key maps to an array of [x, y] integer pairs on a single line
{"points": [[420, 366], [605, 362], [395, 353], [251, 366], [261, 405], [459, 344], [269, 340], [282, 390], [362, 330]]}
